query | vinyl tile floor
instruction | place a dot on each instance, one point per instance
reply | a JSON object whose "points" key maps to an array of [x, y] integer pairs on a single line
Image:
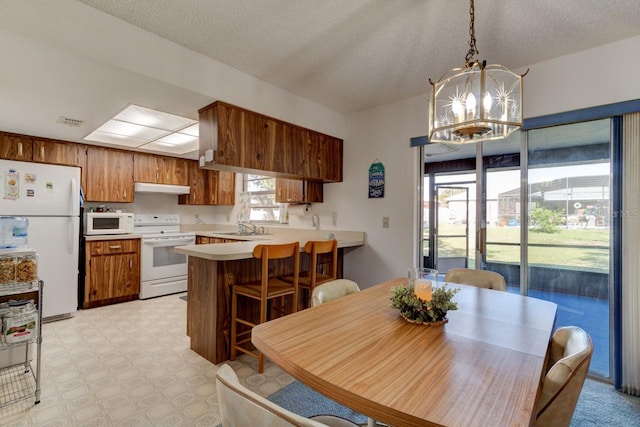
{"points": [[129, 364]]}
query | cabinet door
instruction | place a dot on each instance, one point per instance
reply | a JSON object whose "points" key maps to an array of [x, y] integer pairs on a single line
{"points": [[146, 168], [225, 188], [202, 183], [298, 191], [127, 274], [174, 171], [109, 175], [230, 126], [101, 278], [289, 190], [330, 158], [16, 147], [55, 152], [259, 141], [305, 153]]}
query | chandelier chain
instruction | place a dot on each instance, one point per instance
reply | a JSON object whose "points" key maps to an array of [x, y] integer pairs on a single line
{"points": [[473, 50]]}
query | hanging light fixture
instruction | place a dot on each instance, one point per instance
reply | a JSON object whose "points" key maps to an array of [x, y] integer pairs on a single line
{"points": [[476, 103]]}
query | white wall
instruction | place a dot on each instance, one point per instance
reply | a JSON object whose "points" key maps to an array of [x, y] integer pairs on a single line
{"points": [[79, 29], [595, 77], [382, 134]]}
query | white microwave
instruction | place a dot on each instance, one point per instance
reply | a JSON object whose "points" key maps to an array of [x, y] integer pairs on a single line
{"points": [[108, 223]]}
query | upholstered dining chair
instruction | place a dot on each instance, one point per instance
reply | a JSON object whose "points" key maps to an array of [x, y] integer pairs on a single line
{"points": [[478, 278], [569, 357], [332, 290], [241, 407]]}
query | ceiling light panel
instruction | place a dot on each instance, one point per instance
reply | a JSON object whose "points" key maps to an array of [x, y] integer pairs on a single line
{"points": [[179, 139], [193, 130], [112, 138], [153, 118], [174, 149], [133, 130]]}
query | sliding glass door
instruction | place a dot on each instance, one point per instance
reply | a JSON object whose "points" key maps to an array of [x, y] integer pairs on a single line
{"points": [[546, 211], [568, 233]]}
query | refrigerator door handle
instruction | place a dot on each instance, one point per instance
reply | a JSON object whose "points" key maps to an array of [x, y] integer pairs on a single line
{"points": [[74, 199], [74, 240]]}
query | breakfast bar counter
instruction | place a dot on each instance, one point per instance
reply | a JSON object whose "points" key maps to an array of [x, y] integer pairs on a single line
{"points": [[214, 268]]}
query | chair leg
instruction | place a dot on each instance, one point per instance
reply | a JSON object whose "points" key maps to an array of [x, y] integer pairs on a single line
{"points": [[260, 363], [234, 326]]}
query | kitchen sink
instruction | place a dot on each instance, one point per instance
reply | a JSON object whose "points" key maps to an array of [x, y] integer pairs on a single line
{"points": [[240, 234]]}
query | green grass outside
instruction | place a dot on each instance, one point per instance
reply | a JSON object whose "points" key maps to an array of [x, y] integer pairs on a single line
{"points": [[584, 257]]}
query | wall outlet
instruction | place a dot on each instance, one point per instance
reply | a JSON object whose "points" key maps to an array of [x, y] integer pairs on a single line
{"points": [[334, 218], [385, 222]]}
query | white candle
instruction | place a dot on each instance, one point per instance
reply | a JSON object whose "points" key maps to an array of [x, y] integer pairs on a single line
{"points": [[422, 289]]}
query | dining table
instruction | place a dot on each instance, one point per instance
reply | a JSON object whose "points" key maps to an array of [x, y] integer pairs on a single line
{"points": [[483, 367]]}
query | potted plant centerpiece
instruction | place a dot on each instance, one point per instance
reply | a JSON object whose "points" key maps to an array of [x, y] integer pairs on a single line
{"points": [[420, 307]]}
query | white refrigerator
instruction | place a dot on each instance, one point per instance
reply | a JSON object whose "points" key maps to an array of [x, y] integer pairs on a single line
{"points": [[49, 197]]}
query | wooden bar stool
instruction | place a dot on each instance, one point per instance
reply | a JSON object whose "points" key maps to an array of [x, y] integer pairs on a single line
{"points": [[310, 279], [264, 290]]}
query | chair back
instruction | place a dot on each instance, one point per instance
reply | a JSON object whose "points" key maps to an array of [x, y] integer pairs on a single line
{"points": [[241, 407], [479, 278], [278, 251], [318, 247], [333, 290], [569, 357]]}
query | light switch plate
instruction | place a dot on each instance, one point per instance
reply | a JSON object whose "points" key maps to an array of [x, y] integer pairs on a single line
{"points": [[385, 222]]}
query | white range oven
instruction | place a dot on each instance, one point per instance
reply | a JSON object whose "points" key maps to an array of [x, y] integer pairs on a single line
{"points": [[162, 271]]}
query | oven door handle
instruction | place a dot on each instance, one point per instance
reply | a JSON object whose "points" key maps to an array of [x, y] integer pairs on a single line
{"points": [[169, 242]]}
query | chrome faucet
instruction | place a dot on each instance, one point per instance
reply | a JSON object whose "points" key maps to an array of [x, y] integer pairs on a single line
{"points": [[244, 224]]}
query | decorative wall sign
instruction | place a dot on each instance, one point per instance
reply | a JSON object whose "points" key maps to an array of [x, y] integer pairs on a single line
{"points": [[376, 180]]}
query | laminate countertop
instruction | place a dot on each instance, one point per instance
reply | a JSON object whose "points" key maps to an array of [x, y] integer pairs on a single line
{"points": [[244, 249]]}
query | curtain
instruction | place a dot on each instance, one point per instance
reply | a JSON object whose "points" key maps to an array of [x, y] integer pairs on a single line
{"points": [[630, 381]]}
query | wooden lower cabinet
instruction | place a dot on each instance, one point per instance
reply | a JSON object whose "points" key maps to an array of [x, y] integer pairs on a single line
{"points": [[205, 240], [112, 272]]}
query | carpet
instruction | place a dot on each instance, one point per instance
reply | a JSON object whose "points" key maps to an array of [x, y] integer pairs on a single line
{"points": [[298, 398], [599, 405]]}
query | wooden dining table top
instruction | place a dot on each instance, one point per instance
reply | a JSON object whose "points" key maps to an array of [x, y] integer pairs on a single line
{"points": [[482, 368]]}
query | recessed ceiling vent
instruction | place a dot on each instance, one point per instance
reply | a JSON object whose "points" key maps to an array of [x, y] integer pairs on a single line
{"points": [[74, 123]]}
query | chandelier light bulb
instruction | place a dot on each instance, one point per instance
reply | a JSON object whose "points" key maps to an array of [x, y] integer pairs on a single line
{"points": [[487, 101]]}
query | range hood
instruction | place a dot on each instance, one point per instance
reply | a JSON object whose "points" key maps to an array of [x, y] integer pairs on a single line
{"points": [[145, 187]]}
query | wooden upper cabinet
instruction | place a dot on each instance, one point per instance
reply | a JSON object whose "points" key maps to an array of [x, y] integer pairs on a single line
{"points": [[235, 139], [16, 147], [56, 152], [298, 191], [209, 187], [225, 188], [109, 175], [160, 169]]}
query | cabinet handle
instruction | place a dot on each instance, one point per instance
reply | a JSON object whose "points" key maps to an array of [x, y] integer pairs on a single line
{"points": [[130, 263], [157, 174], [42, 153], [19, 148], [124, 194], [115, 247]]}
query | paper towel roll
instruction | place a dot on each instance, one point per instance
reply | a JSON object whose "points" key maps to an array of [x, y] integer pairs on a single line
{"points": [[299, 210]]}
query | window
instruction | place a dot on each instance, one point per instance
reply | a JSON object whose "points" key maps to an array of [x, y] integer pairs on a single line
{"points": [[262, 198]]}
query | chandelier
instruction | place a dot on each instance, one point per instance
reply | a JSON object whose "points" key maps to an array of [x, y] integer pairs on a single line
{"points": [[479, 102]]}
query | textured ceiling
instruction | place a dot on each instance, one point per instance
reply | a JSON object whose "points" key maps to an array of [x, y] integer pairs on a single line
{"points": [[352, 54], [60, 58]]}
